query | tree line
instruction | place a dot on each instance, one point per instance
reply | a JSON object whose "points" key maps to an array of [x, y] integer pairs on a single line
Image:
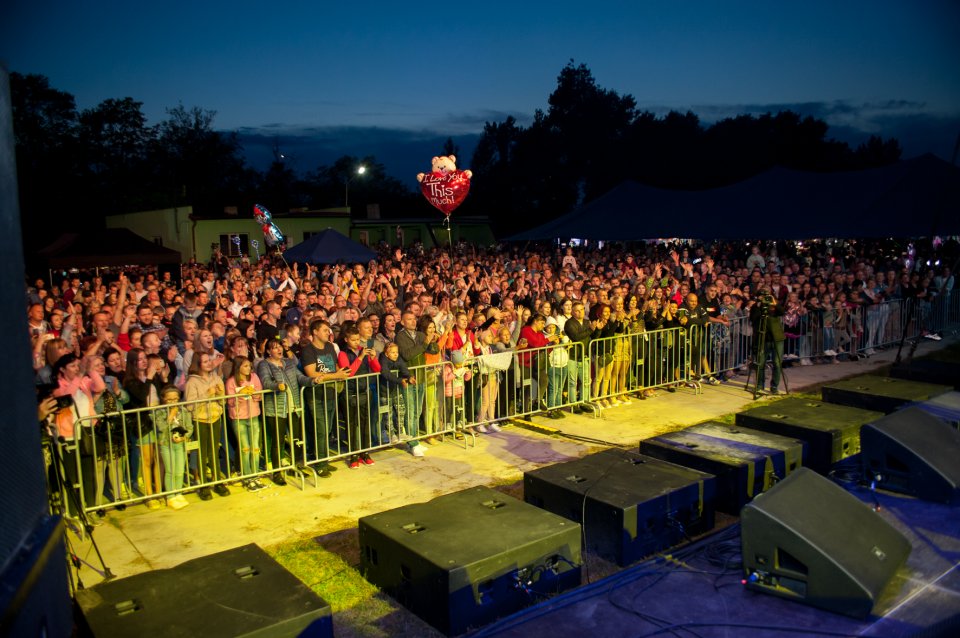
{"points": [[75, 166]]}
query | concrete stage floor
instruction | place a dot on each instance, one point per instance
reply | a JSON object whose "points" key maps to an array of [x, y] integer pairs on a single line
{"points": [[139, 540]]}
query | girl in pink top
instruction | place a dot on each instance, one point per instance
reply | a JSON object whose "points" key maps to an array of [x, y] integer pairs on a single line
{"points": [[243, 407]]}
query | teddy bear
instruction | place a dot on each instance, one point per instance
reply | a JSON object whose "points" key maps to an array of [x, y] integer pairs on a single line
{"points": [[444, 165]]}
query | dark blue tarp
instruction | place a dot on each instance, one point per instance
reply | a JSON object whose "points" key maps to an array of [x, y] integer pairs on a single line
{"points": [[328, 247], [912, 198]]}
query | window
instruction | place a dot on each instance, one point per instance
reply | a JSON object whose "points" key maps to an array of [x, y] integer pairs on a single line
{"points": [[234, 244], [364, 237]]}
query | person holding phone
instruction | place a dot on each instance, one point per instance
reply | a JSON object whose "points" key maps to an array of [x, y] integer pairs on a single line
{"points": [[174, 429], [359, 361], [319, 361]]}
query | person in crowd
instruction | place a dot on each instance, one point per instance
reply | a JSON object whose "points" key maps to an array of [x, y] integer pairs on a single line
{"points": [[320, 362], [204, 393], [359, 405], [76, 421], [579, 332], [243, 407], [143, 381], [764, 313], [605, 327], [413, 346], [557, 359], [433, 360], [174, 427]]}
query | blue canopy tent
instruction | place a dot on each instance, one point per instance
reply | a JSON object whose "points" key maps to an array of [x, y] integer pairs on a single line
{"points": [[919, 197], [328, 247]]}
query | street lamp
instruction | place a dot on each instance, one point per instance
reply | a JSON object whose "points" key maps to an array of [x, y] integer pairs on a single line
{"points": [[346, 185]]}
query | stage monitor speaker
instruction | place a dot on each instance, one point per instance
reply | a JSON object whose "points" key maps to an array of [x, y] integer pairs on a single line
{"points": [[881, 394], [746, 462], [832, 432], [465, 559], [239, 592], [929, 371], [630, 505], [913, 452], [811, 541], [946, 407]]}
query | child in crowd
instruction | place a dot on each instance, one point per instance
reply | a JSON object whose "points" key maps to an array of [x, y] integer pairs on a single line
{"points": [[395, 376], [454, 379], [174, 428], [244, 412]]}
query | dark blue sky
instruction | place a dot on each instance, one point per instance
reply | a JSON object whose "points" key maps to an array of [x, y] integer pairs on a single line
{"points": [[394, 79]]}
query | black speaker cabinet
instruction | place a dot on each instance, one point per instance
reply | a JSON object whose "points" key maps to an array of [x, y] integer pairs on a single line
{"points": [[630, 505], [832, 432], [810, 541], [882, 394], [913, 452], [929, 371], [746, 462], [464, 559], [239, 592]]}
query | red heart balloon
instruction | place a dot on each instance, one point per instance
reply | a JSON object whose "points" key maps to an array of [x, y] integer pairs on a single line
{"points": [[445, 191]]}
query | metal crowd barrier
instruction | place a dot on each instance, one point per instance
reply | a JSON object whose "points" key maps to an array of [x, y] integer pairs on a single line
{"points": [[121, 458]]}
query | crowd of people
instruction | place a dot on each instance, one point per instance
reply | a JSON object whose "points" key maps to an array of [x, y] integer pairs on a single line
{"points": [[173, 382]]}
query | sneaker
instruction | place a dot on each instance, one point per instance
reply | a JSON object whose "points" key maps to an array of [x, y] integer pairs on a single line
{"points": [[394, 439], [626, 400], [482, 429], [248, 485], [278, 479], [354, 463], [713, 381], [671, 388], [324, 472], [221, 490], [153, 504], [934, 336], [493, 427], [204, 494], [830, 353], [258, 485], [554, 414], [366, 460], [417, 450], [174, 504], [182, 499]]}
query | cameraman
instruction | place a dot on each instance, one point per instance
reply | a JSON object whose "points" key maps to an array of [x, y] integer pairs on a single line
{"points": [[765, 313]]}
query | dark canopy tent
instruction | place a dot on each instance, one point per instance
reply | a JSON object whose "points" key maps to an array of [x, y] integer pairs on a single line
{"points": [[328, 247], [106, 247], [912, 198]]}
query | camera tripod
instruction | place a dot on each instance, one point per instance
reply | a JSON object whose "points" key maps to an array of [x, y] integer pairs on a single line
{"points": [[760, 359], [58, 484]]}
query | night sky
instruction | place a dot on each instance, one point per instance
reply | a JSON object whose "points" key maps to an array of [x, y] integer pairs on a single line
{"points": [[395, 79]]}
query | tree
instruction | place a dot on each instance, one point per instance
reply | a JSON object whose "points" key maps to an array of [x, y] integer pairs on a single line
{"points": [[326, 186], [195, 164], [115, 139], [49, 169]]}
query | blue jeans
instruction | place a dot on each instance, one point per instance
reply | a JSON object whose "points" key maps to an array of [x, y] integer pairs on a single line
{"points": [[247, 432], [174, 456], [413, 399], [577, 371], [556, 379]]}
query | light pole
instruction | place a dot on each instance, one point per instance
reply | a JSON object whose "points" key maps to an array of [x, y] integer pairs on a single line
{"points": [[346, 185]]}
